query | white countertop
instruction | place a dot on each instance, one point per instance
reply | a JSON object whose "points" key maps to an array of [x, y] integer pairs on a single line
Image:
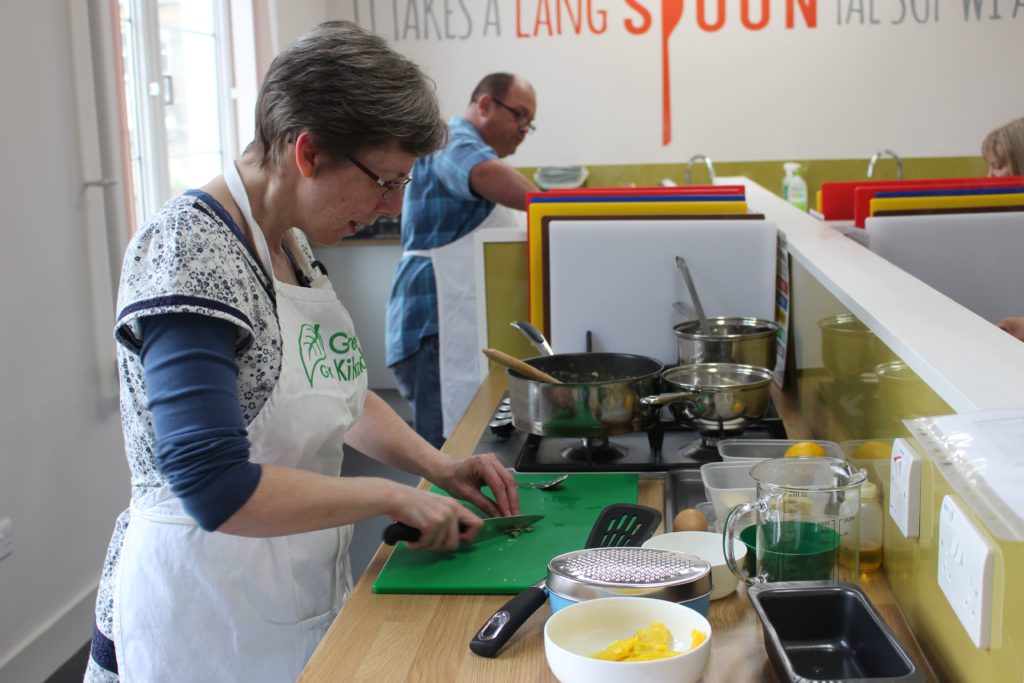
{"points": [[969, 362]]}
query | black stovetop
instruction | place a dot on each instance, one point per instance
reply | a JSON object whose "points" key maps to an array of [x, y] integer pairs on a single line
{"points": [[681, 446]]}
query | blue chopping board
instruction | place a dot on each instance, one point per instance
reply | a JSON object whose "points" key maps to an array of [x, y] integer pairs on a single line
{"points": [[510, 565]]}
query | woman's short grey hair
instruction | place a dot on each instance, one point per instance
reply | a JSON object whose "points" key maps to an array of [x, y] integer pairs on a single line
{"points": [[348, 88], [1007, 142]]}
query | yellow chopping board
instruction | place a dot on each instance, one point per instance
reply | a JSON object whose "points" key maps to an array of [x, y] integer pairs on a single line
{"points": [[944, 202]]}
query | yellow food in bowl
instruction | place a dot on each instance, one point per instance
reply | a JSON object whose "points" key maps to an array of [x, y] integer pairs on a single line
{"points": [[650, 643], [872, 450], [803, 448]]}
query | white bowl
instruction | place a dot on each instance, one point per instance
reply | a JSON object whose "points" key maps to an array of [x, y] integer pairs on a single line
{"points": [[575, 633], [707, 545]]}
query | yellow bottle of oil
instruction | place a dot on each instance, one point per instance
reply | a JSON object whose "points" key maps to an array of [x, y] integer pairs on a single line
{"points": [[870, 528]]}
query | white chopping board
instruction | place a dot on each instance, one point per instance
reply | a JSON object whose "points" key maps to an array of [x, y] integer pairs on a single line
{"points": [[618, 279], [974, 259]]}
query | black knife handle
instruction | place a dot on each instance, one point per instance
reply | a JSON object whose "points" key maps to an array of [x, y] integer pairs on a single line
{"points": [[403, 532], [506, 621]]}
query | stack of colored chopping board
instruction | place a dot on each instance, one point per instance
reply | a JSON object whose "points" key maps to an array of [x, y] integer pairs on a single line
{"points": [[852, 200], [572, 234]]}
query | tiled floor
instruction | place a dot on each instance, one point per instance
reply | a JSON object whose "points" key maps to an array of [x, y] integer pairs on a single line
{"points": [[365, 540]]}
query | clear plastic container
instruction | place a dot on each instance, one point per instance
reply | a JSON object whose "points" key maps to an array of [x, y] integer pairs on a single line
{"points": [[727, 484], [870, 515], [872, 456], [755, 450]]}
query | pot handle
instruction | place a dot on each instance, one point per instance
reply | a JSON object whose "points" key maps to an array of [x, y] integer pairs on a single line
{"points": [[507, 620], [731, 535], [664, 399]]}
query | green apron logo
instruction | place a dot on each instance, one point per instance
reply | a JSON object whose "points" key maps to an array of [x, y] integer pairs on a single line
{"points": [[348, 364]]}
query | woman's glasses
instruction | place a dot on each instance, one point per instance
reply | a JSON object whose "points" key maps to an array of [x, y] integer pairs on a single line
{"points": [[389, 186]]}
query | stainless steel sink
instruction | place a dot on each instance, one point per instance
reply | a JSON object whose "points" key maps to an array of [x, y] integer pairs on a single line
{"points": [[683, 489]]}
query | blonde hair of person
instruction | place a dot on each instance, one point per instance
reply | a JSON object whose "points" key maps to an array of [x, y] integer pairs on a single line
{"points": [[1006, 143]]}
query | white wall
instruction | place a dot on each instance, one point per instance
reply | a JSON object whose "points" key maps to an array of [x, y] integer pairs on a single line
{"points": [[922, 77], [63, 478]]}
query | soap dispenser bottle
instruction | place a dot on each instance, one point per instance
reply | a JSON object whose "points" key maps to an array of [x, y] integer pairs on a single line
{"points": [[794, 187]]}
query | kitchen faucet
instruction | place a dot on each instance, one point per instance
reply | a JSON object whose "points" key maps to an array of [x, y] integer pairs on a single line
{"points": [[886, 152], [689, 168]]}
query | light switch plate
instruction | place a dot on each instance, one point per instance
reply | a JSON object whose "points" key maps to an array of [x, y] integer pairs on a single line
{"points": [[905, 488], [966, 562]]}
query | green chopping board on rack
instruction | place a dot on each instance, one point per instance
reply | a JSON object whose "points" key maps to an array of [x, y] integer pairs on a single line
{"points": [[510, 565]]}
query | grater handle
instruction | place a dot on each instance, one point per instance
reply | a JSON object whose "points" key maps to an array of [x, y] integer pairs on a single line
{"points": [[507, 620]]}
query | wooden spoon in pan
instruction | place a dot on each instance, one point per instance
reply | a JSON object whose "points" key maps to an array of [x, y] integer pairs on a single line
{"points": [[502, 358]]}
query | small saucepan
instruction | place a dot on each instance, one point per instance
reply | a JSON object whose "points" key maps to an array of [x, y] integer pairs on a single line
{"points": [[746, 341], [715, 396]]}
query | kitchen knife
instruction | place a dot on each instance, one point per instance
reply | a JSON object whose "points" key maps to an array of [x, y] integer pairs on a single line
{"points": [[493, 528]]}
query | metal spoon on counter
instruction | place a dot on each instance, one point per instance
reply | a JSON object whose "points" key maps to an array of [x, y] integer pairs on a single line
{"points": [[545, 485]]}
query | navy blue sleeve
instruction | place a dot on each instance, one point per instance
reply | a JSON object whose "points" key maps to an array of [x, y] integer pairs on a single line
{"points": [[201, 442]]}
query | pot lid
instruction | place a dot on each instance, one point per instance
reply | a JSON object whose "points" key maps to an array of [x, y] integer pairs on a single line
{"points": [[627, 571]]}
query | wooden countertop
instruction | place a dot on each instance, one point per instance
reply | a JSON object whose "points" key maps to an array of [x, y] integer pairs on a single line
{"points": [[426, 637]]}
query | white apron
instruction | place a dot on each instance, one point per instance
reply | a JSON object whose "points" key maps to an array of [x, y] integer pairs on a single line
{"points": [[459, 347], [197, 606]]}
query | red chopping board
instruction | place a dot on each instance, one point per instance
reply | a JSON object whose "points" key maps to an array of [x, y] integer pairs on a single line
{"points": [[507, 566]]}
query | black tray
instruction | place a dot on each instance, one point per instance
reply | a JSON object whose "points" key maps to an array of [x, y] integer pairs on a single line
{"points": [[828, 631]]}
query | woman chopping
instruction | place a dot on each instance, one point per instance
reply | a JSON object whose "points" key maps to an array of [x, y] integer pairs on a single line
{"points": [[242, 377]]}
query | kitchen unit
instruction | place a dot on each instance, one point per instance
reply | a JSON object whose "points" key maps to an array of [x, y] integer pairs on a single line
{"points": [[954, 361], [426, 637]]}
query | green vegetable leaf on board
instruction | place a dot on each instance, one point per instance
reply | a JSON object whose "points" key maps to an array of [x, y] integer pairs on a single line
{"points": [[311, 349]]}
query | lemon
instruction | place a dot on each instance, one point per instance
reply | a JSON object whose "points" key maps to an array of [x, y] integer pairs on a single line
{"points": [[804, 448], [872, 450]]}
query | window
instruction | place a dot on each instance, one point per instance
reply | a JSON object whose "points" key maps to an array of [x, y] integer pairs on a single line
{"points": [[177, 77]]}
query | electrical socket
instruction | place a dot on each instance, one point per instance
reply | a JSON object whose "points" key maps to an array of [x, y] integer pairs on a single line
{"points": [[966, 563], [905, 488], [6, 537]]}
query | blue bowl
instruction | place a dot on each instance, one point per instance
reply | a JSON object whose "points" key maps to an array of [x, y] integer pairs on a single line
{"points": [[700, 605]]}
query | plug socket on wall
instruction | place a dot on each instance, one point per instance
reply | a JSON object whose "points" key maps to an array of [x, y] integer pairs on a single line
{"points": [[905, 488], [966, 561]]}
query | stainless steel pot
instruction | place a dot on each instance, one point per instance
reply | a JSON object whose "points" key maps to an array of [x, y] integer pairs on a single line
{"points": [[599, 395], [747, 341], [715, 396]]}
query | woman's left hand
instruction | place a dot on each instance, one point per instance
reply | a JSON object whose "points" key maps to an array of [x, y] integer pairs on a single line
{"points": [[464, 478]]}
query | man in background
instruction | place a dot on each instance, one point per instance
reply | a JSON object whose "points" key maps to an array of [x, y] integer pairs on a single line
{"points": [[454, 191]]}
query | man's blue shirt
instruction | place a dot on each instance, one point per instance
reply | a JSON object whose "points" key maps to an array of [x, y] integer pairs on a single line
{"points": [[439, 208]]}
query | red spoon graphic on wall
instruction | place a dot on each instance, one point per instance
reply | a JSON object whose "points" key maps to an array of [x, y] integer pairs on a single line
{"points": [[671, 13]]}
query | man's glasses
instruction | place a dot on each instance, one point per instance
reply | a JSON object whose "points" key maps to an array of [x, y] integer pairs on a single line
{"points": [[521, 118], [389, 186]]}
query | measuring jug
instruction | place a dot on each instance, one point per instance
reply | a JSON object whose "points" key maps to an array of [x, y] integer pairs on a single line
{"points": [[803, 524]]}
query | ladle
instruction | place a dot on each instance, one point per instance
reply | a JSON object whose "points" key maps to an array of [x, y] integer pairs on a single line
{"points": [[685, 270], [535, 336], [511, 362]]}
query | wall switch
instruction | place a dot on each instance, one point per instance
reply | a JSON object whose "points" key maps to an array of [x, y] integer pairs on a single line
{"points": [[966, 562], [6, 537], [905, 488]]}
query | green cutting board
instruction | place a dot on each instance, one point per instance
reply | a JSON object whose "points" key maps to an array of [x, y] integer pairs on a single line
{"points": [[510, 565]]}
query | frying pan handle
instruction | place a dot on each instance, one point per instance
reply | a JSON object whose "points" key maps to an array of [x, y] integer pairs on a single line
{"points": [[507, 620], [403, 532], [665, 399]]}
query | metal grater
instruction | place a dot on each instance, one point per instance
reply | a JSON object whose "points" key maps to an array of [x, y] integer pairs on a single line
{"points": [[616, 572]]}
